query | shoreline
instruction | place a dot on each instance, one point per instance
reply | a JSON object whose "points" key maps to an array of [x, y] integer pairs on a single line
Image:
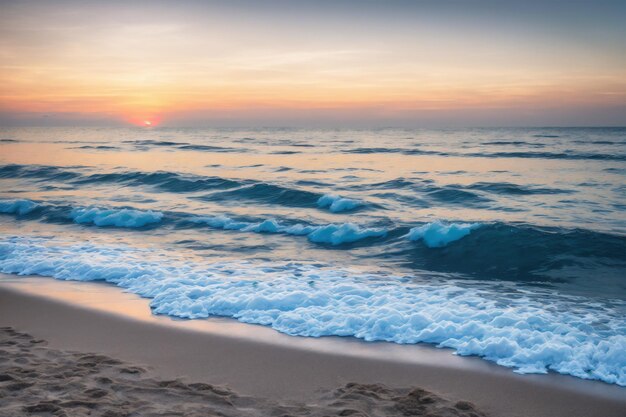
{"points": [[258, 361]]}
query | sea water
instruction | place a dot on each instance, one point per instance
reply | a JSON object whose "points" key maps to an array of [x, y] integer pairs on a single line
{"points": [[509, 244]]}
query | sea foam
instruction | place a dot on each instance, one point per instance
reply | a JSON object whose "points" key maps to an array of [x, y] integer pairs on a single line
{"points": [[115, 217], [337, 203], [19, 207], [532, 332], [438, 234], [332, 233]]}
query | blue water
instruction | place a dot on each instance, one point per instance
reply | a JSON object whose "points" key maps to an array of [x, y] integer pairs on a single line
{"points": [[509, 244]]}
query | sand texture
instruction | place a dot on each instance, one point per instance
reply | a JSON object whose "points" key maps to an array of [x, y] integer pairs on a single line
{"points": [[38, 380]]}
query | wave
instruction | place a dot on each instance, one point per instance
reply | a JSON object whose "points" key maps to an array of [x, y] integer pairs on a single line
{"points": [[438, 234], [266, 193], [486, 250], [115, 217], [514, 143], [330, 234], [233, 190], [98, 147], [131, 218], [37, 171], [516, 252], [337, 203], [600, 142], [403, 151], [515, 189], [144, 144], [165, 181], [227, 189], [19, 207], [462, 194], [531, 332], [568, 155]]}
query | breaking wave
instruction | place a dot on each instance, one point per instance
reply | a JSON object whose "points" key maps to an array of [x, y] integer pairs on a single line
{"points": [[530, 332], [115, 217]]}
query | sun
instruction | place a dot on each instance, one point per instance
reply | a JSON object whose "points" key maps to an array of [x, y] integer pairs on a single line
{"points": [[147, 123]]}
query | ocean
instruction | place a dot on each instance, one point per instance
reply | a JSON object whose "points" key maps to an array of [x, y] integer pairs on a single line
{"points": [[507, 243]]}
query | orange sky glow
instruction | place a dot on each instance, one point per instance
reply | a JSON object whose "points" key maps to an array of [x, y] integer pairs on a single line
{"points": [[169, 66]]}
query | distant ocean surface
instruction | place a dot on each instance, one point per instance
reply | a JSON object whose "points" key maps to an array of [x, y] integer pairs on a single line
{"points": [[509, 244]]}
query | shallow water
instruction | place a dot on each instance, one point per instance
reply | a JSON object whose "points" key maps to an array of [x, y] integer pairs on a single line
{"points": [[504, 243]]}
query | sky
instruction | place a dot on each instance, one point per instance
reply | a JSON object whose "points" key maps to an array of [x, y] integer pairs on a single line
{"points": [[322, 63]]}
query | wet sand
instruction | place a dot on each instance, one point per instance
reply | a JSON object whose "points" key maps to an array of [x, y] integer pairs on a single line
{"points": [[253, 369]]}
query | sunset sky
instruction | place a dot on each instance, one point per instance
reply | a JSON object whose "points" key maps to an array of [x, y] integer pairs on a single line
{"points": [[316, 63]]}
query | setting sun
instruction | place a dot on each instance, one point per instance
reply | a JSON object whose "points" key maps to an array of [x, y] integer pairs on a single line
{"points": [[147, 123]]}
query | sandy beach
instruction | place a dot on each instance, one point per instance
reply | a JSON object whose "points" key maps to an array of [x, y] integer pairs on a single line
{"points": [[157, 366]]}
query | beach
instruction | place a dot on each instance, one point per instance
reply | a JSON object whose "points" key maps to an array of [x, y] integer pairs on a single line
{"points": [[312, 208], [247, 370]]}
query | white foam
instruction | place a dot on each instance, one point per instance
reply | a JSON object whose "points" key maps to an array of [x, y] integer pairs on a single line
{"points": [[115, 217], [438, 234], [332, 233], [337, 203], [19, 207], [347, 232], [528, 331]]}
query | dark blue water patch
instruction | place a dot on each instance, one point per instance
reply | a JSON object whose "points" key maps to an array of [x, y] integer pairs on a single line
{"points": [[225, 248], [352, 169], [443, 172], [265, 193], [514, 143], [81, 141], [210, 148], [600, 142], [411, 200], [8, 141], [54, 188], [284, 152], [302, 145], [546, 136], [450, 195], [283, 169], [401, 182], [507, 188], [98, 147], [150, 142], [568, 155], [311, 183], [403, 151], [163, 180], [44, 172], [615, 170], [517, 253], [133, 199], [427, 190]]}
